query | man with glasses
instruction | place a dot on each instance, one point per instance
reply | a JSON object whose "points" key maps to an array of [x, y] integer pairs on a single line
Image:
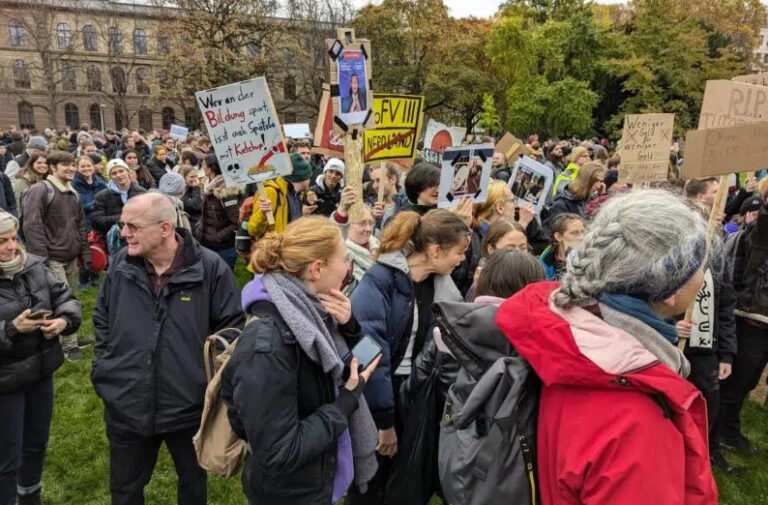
{"points": [[162, 296]]}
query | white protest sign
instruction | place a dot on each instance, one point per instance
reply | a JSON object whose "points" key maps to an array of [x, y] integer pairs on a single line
{"points": [[466, 171], [179, 132], [242, 124], [296, 130], [531, 181], [438, 137], [645, 144]]}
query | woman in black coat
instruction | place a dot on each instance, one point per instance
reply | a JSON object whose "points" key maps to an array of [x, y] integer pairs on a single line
{"points": [[29, 354], [192, 197]]}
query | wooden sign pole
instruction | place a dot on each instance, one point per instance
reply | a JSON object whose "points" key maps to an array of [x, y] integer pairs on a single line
{"points": [[353, 159], [263, 194], [383, 179]]}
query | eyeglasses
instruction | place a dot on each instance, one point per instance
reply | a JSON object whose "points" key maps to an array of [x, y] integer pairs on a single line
{"points": [[133, 228]]}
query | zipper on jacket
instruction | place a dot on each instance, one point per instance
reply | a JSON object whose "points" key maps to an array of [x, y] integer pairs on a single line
{"points": [[455, 339], [526, 450]]}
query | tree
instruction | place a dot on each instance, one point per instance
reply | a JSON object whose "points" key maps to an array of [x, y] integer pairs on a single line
{"points": [[489, 117]]}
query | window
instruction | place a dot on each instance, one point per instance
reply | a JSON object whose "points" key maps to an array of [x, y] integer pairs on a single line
{"points": [[253, 49], [64, 35], [93, 78], [115, 40], [119, 83], [169, 117], [163, 46], [94, 114], [89, 38], [190, 116], [68, 79], [145, 119], [21, 75], [289, 88], [18, 34], [290, 117], [162, 78], [71, 116], [142, 81], [120, 116], [26, 115], [139, 41]]}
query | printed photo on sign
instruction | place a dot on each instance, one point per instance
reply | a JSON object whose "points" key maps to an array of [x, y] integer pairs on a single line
{"points": [[466, 171], [353, 93], [531, 181]]}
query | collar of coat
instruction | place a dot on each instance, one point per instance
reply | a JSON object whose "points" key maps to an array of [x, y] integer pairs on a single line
{"points": [[190, 271]]}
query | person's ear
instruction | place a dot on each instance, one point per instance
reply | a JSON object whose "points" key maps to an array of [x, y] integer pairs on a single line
{"points": [[433, 252], [490, 249], [558, 236], [315, 270], [500, 208]]}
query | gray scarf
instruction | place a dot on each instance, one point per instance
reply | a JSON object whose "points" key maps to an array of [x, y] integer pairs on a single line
{"points": [[318, 336], [10, 268]]}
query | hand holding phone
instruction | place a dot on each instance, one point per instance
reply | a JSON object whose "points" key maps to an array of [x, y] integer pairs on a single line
{"points": [[38, 315], [362, 359]]}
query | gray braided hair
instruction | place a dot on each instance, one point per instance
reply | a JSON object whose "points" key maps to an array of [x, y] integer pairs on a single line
{"points": [[647, 243]]}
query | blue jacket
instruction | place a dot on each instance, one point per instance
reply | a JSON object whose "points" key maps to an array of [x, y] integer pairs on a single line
{"points": [[383, 305], [87, 192]]}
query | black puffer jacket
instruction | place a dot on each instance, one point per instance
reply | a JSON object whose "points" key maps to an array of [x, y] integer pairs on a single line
{"points": [[108, 206], [193, 204], [28, 357], [294, 422]]}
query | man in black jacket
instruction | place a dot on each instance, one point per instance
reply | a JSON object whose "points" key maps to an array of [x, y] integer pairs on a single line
{"points": [[328, 186], [162, 296]]}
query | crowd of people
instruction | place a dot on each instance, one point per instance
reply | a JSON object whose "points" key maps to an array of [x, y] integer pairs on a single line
{"points": [[590, 293]]}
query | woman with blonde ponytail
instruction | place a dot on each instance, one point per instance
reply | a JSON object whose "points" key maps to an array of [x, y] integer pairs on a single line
{"points": [[618, 422]]}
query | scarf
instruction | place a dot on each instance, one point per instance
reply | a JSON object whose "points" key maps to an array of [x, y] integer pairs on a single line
{"points": [[122, 192], [317, 334], [10, 268], [640, 309]]}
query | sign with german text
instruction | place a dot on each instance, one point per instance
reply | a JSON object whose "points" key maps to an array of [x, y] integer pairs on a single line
{"points": [[243, 126], [398, 126], [645, 143], [731, 103], [717, 151], [179, 132]]}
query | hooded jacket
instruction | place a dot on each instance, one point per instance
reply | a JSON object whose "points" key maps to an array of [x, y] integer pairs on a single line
{"points": [[383, 305], [327, 198], [565, 202], [616, 425], [281, 197], [108, 206], [219, 218], [748, 250], [88, 192]]}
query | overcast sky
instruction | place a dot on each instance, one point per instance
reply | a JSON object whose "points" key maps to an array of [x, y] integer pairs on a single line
{"points": [[477, 8]]}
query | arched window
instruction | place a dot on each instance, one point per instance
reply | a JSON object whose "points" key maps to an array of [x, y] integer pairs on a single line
{"points": [[94, 114], [21, 75], [90, 43], [17, 33], [119, 83], [142, 81], [120, 117], [289, 88], [139, 41], [26, 115], [93, 78], [71, 116], [68, 78], [145, 119], [162, 78], [64, 35], [253, 49], [115, 40], [169, 117], [163, 46]]}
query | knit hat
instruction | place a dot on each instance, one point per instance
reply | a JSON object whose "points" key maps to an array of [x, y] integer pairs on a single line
{"points": [[301, 169], [8, 222], [62, 145], [117, 162], [611, 178], [172, 184], [82, 134], [751, 204], [566, 150], [334, 164], [37, 142]]}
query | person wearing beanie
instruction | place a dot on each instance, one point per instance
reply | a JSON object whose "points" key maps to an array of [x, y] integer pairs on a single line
{"points": [[282, 199], [173, 185], [108, 203], [29, 354], [328, 186], [36, 144]]}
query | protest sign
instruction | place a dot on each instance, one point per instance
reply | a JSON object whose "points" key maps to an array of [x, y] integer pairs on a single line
{"points": [[398, 125], [326, 141], [466, 171], [438, 138], [511, 146], [350, 77], [531, 181], [645, 143], [242, 124], [296, 130], [730, 103], [719, 151], [179, 132], [760, 79]]}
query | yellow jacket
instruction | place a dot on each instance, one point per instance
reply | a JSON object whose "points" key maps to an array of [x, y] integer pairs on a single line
{"points": [[277, 193]]}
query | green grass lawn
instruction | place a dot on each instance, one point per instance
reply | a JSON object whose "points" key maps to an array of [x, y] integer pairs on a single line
{"points": [[77, 466]]}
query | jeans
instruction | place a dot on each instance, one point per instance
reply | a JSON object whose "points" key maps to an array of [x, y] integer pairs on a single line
{"points": [[68, 272], [748, 365], [132, 460], [25, 422], [229, 255]]}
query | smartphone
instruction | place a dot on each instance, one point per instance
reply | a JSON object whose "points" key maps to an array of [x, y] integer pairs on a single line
{"points": [[365, 351], [40, 314]]}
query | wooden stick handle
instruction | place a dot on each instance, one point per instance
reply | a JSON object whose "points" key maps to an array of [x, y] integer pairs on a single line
{"points": [[263, 194], [383, 179]]}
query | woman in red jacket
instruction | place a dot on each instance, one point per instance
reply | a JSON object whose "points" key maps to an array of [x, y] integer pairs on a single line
{"points": [[618, 422]]}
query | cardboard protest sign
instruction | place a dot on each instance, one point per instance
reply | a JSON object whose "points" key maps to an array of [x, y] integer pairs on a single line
{"points": [[242, 124], [531, 181], [350, 77], [511, 146], [729, 103], [438, 138], [179, 132], [760, 79], [645, 143], [296, 130], [719, 151], [398, 126], [326, 141], [466, 171]]}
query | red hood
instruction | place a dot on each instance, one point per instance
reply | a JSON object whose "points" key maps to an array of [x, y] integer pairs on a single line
{"points": [[573, 347]]}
